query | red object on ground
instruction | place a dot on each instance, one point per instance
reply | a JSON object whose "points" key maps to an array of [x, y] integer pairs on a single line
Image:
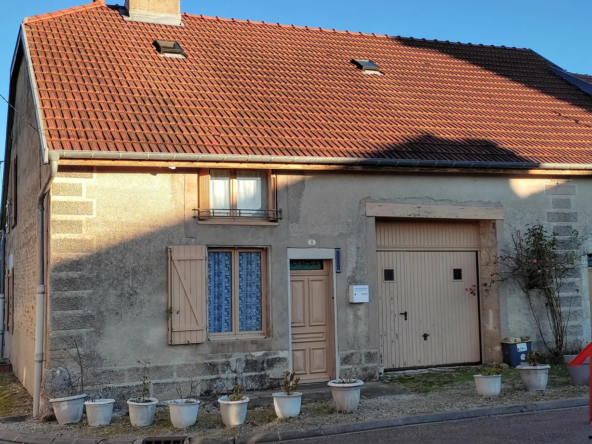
{"points": [[579, 360]]}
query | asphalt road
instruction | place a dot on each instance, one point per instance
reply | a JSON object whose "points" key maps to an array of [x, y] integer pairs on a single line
{"points": [[557, 427]]}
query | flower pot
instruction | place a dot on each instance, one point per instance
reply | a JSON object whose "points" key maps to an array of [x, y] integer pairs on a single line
{"points": [[488, 385], [68, 410], [346, 396], [99, 412], [579, 375], [534, 377], [142, 413], [183, 412], [287, 406], [233, 413]]}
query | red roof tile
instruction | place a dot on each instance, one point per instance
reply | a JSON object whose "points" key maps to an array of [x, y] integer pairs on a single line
{"points": [[255, 88]]}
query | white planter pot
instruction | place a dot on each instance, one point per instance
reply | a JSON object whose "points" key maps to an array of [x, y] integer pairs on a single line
{"points": [[287, 406], [346, 396], [68, 410], [99, 412], [534, 377], [183, 412], [233, 413], [142, 413], [488, 385], [579, 375]]}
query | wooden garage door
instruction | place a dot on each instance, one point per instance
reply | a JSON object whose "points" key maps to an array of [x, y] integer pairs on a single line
{"points": [[427, 318]]}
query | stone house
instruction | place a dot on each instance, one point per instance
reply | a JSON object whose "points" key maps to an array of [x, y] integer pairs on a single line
{"points": [[230, 199]]}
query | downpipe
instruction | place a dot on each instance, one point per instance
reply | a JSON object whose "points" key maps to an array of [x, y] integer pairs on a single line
{"points": [[41, 285], [2, 291]]}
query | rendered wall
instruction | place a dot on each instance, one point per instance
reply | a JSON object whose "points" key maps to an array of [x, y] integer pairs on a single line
{"points": [[110, 230]]}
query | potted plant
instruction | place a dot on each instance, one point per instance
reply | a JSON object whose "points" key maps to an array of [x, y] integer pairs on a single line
{"points": [[579, 375], [99, 410], [535, 373], [346, 391], [489, 381], [184, 410], [287, 402], [69, 409], [142, 408], [234, 407]]}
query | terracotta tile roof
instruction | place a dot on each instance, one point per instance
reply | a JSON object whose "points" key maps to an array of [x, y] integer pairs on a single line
{"points": [[584, 77], [268, 89]]}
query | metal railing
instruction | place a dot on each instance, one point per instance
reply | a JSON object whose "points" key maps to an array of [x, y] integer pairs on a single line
{"points": [[207, 213]]}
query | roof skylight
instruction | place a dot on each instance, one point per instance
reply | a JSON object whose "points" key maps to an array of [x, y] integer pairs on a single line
{"points": [[166, 47], [366, 65]]}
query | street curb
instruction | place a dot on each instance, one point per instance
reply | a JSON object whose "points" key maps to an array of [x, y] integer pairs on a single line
{"points": [[289, 435]]}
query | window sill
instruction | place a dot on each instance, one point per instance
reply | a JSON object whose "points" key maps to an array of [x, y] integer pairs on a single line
{"points": [[237, 221], [227, 338]]}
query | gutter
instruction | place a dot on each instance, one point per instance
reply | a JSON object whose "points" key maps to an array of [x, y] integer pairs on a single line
{"points": [[41, 285], [303, 160], [36, 101]]}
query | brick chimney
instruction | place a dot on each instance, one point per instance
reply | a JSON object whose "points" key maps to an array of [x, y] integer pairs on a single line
{"points": [[165, 12]]}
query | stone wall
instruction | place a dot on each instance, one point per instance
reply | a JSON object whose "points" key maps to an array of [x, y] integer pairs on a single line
{"points": [[21, 241]]}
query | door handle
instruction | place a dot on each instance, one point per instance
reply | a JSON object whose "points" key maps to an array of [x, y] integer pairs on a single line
{"points": [[425, 336], [404, 314]]}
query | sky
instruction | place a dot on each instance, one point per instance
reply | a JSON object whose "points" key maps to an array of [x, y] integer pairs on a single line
{"points": [[559, 30]]}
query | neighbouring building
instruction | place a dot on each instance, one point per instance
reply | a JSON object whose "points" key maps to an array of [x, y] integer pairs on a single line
{"points": [[230, 199]]}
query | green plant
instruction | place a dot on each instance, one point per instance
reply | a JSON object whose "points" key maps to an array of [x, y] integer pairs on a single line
{"points": [[237, 393], [169, 313], [290, 383], [492, 370], [535, 358], [540, 271]]}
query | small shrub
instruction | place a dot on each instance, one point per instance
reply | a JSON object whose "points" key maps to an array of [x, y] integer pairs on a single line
{"points": [[349, 376], [535, 358], [237, 393], [290, 383], [492, 370]]}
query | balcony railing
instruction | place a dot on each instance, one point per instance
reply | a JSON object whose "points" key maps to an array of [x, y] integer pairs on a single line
{"points": [[208, 213]]}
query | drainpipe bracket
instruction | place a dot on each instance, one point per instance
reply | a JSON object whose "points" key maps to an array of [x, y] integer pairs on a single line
{"points": [[40, 289]]}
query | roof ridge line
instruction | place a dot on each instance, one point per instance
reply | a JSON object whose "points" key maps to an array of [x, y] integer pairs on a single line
{"points": [[63, 12], [333, 30]]}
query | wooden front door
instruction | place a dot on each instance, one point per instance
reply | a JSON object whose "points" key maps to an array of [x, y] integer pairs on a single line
{"points": [[313, 356]]}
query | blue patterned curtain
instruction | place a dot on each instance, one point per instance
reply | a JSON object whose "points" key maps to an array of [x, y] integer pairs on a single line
{"points": [[249, 291], [219, 292]]}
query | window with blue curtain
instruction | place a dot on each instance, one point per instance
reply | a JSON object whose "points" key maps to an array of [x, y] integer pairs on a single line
{"points": [[235, 282], [220, 292], [249, 291]]}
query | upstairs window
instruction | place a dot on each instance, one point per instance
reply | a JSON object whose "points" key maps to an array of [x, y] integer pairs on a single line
{"points": [[237, 194]]}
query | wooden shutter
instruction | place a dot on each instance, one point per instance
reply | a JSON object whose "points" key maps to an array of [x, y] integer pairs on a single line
{"points": [[272, 194], [187, 294], [6, 297], [203, 191], [14, 192], [9, 295]]}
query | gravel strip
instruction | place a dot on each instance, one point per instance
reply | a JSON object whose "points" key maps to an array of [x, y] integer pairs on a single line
{"points": [[314, 414]]}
